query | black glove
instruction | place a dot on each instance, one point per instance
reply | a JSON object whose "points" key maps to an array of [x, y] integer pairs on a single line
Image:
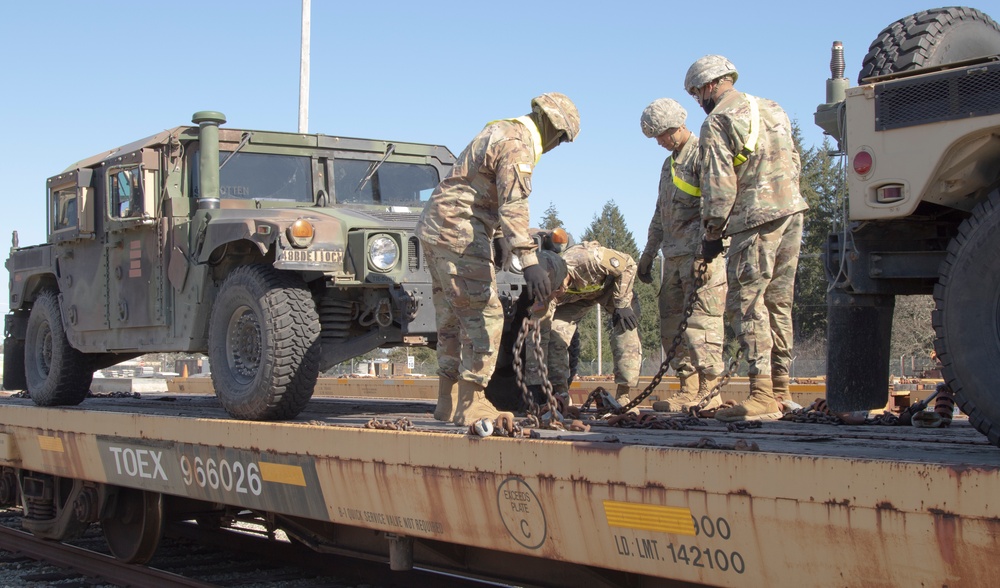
{"points": [[645, 274], [537, 283], [626, 318], [710, 249]]}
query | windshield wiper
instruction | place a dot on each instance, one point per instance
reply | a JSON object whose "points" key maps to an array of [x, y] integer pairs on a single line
{"points": [[389, 149], [243, 141]]}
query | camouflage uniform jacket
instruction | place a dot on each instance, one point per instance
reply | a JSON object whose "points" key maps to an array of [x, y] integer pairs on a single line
{"points": [[765, 187], [676, 224], [593, 270], [487, 190]]}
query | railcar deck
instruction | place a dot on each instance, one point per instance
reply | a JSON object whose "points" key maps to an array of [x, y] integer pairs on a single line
{"points": [[785, 504]]}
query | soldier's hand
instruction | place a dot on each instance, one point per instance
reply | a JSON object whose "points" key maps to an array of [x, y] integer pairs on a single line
{"points": [[645, 273], [626, 318], [537, 283], [710, 249]]}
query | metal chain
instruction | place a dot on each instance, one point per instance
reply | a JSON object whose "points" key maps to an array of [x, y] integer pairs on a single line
{"points": [[531, 326], [699, 281], [401, 424]]}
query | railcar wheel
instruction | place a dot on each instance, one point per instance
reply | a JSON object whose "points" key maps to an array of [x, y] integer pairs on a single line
{"points": [[55, 372], [264, 344], [967, 317], [929, 38], [135, 525]]}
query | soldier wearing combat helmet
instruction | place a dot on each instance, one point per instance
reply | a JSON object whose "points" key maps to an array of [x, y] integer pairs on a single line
{"points": [[485, 195], [676, 230], [594, 275], [750, 193]]}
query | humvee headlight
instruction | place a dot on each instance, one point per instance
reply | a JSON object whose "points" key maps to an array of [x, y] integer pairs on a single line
{"points": [[515, 264], [383, 253], [301, 233]]}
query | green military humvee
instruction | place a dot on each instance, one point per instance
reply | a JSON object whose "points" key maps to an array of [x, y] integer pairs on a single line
{"points": [[277, 254]]}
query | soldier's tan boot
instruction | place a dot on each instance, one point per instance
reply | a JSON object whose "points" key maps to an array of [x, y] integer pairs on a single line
{"points": [[447, 399], [621, 395], [473, 405], [760, 406], [780, 385], [706, 384], [680, 400]]}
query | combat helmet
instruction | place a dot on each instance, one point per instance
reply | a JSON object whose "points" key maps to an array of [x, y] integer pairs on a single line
{"points": [[561, 112], [660, 115], [707, 69]]}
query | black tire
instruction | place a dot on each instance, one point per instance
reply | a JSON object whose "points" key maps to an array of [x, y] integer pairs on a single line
{"points": [[264, 344], [967, 317], [930, 38], [56, 373]]}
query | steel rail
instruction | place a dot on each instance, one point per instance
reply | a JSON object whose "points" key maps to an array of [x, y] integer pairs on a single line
{"points": [[90, 564]]}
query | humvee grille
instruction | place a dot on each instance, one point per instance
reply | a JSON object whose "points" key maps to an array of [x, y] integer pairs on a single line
{"points": [[28, 258], [962, 93], [413, 254], [402, 217]]}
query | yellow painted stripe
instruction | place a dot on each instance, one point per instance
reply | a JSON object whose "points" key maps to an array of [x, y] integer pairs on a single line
{"points": [[282, 473], [649, 517], [47, 443]]}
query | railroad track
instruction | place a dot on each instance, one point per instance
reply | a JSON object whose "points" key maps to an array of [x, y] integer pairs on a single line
{"points": [[193, 556]]}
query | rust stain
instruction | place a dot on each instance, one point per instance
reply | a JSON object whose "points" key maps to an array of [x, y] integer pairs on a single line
{"points": [[885, 505], [947, 533], [601, 448], [834, 502]]}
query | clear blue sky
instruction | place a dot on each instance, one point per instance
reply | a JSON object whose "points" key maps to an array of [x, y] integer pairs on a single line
{"points": [[81, 77]]}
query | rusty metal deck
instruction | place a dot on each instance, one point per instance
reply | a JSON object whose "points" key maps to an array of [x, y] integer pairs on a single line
{"points": [[817, 505]]}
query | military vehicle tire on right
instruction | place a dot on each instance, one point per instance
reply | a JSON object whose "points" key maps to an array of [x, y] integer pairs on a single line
{"points": [[56, 373], [930, 38], [967, 342], [264, 344]]}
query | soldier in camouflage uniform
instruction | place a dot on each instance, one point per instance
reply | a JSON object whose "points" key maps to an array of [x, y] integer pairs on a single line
{"points": [[676, 230], [485, 195], [750, 193], [595, 275]]}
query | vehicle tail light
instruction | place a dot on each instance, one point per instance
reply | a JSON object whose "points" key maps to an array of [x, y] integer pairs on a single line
{"points": [[889, 193], [863, 163]]}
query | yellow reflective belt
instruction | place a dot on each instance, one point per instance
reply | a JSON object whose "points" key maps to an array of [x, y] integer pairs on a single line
{"points": [[536, 137], [587, 289], [682, 185], [741, 158]]}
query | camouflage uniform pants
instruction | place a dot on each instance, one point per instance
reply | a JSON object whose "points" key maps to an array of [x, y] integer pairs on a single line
{"points": [[468, 312], [760, 268], [625, 346], [700, 348]]}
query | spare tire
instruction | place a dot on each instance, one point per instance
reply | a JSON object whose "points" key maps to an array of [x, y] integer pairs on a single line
{"points": [[930, 38]]}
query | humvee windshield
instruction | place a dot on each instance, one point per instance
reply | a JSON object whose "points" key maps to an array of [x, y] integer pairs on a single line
{"points": [[265, 176], [404, 184]]}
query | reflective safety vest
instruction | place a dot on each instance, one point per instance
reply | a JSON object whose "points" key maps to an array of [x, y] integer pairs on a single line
{"points": [[586, 289], [536, 137], [682, 185], [741, 158]]}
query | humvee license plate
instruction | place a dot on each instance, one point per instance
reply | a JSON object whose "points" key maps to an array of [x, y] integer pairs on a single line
{"points": [[312, 255]]}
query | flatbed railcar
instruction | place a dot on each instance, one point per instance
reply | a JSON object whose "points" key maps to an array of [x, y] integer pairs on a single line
{"points": [[784, 504]]}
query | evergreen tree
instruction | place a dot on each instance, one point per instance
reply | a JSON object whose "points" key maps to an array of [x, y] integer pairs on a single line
{"points": [[551, 219], [822, 186], [610, 230]]}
